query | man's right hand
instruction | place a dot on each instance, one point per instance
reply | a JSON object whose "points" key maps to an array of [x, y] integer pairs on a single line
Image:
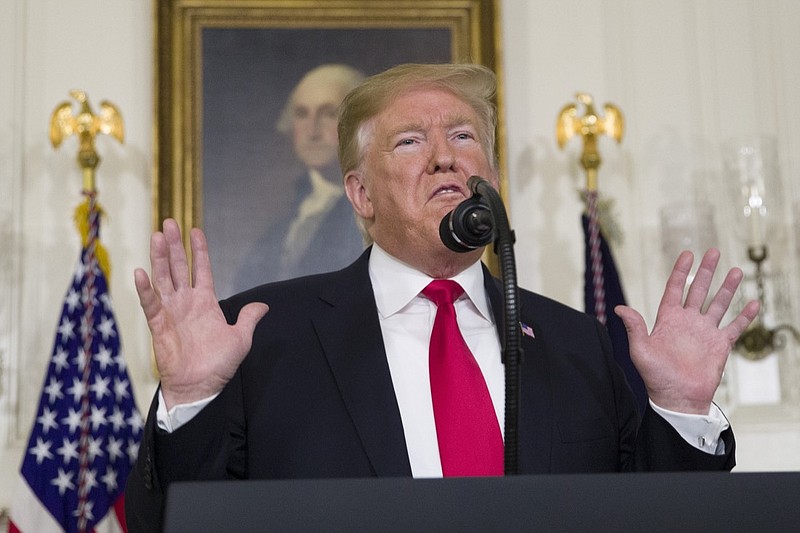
{"points": [[196, 350]]}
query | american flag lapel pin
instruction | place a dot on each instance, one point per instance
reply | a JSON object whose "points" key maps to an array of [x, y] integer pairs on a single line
{"points": [[527, 330]]}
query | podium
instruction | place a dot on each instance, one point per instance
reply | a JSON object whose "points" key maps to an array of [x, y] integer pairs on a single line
{"points": [[698, 501]]}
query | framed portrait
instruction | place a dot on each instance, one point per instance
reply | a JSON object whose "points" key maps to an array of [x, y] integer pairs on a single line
{"points": [[230, 74]]}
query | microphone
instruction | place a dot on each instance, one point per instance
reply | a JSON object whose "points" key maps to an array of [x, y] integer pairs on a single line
{"points": [[470, 225]]}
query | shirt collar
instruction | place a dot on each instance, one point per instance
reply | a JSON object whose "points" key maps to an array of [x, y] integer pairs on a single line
{"points": [[396, 284]]}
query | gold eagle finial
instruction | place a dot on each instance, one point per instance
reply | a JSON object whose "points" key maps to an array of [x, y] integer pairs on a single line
{"points": [[86, 125], [590, 126]]}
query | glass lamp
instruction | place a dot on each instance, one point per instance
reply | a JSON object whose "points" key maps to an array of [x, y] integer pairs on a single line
{"points": [[755, 192]]}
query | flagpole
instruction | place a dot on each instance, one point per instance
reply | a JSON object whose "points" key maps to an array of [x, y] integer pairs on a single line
{"points": [[602, 288], [589, 127], [86, 125], [85, 438]]}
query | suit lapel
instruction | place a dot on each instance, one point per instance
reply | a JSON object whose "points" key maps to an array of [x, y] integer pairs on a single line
{"points": [[351, 339], [535, 408], [350, 334]]}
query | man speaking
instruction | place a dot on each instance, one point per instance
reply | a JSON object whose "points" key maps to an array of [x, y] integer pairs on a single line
{"points": [[391, 366]]}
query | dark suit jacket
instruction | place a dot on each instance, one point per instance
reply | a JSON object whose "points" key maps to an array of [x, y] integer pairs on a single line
{"points": [[314, 399]]}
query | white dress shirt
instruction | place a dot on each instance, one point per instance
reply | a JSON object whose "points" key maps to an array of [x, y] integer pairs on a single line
{"points": [[406, 320]]}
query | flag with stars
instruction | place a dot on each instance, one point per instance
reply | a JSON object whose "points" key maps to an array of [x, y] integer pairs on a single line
{"points": [[87, 429]]}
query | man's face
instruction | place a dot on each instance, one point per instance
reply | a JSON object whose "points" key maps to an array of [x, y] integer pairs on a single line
{"points": [[421, 151], [314, 115]]}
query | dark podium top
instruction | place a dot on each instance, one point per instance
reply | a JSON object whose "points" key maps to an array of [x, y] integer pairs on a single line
{"points": [[703, 502]]}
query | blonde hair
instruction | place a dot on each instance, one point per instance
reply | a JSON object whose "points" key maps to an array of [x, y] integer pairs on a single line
{"points": [[474, 84]]}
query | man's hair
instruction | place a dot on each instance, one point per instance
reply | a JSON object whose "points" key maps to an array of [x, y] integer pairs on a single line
{"points": [[474, 84], [345, 76]]}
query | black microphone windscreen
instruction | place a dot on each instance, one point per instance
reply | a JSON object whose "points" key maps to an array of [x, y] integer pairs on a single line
{"points": [[448, 236]]}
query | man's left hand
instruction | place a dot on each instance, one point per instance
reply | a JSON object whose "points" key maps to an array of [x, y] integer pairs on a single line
{"points": [[682, 360]]}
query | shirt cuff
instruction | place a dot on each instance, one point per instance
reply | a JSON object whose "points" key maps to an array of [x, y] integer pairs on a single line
{"points": [[180, 414], [700, 431]]}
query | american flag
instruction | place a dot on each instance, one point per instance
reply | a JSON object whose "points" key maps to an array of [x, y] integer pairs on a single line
{"points": [[87, 428], [527, 330]]}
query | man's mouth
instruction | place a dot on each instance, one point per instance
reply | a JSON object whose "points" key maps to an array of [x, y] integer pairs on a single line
{"points": [[447, 189]]}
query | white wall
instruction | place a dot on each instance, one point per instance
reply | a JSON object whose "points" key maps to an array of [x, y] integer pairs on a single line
{"points": [[687, 74]]}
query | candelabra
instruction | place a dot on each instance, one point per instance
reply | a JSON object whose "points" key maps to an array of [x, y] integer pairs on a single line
{"points": [[758, 341], [752, 176]]}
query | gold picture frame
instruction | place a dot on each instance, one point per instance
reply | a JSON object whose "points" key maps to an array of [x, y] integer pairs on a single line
{"points": [[277, 39]]}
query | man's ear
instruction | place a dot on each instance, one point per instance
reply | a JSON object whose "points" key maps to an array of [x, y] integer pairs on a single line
{"points": [[357, 193]]}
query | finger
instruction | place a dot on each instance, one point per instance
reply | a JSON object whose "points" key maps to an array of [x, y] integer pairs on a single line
{"points": [[148, 299], [698, 290], [159, 264], [201, 262], [247, 320], [673, 292], [742, 320], [249, 316], [634, 326], [178, 264], [722, 300]]}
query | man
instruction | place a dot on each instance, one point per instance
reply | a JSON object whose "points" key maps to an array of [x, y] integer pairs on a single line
{"points": [[335, 381], [321, 235]]}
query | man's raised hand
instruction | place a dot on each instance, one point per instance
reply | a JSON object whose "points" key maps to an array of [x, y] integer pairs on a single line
{"points": [[196, 350], [682, 359]]}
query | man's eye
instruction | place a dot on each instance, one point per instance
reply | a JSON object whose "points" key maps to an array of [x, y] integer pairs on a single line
{"points": [[464, 136], [406, 142], [328, 112]]}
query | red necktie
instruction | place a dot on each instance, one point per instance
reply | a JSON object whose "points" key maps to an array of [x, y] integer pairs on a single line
{"points": [[470, 442]]}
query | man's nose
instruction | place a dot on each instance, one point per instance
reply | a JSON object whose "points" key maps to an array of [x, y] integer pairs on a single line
{"points": [[316, 125], [442, 156]]}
